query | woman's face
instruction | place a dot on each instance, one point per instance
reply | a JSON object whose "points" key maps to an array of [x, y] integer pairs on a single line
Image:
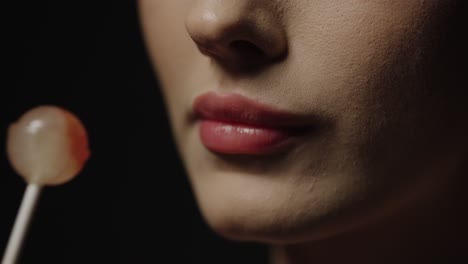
{"points": [[300, 119]]}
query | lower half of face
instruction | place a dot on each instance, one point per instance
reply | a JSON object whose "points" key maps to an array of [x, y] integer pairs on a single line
{"points": [[364, 113]]}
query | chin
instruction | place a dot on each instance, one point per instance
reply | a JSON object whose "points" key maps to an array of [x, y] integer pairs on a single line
{"points": [[267, 210]]}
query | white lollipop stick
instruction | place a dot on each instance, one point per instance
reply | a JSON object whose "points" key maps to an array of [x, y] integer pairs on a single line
{"points": [[20, 227], [47, 146]]}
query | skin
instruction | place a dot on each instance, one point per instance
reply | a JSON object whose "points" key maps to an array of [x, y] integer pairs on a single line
{"points": [[384, 84]]}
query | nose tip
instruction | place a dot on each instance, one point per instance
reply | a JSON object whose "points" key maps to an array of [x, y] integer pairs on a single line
{"points": [[236, 31]]}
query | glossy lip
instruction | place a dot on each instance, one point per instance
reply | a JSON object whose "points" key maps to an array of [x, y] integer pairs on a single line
{"points": [[235, 124]]}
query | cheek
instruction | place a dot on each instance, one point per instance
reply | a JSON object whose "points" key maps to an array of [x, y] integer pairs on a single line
{"points": [[173, 54], [348, 47], [371, 70], [362, 59], [168, 43]]}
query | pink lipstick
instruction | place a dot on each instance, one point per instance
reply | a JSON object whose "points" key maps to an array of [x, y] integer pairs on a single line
{"points": [[234, 124]]}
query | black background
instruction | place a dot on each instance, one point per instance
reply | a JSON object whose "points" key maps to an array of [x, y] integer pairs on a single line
{"points": [[132, 202]]}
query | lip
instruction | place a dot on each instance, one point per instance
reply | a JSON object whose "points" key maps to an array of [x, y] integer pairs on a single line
{"points": [[234, 124]]}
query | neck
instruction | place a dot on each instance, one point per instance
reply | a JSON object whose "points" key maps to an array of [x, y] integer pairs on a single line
{"points": [[431, 233]]}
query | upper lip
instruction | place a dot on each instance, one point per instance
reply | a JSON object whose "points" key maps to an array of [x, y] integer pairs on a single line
{"points": [[238, 109]]}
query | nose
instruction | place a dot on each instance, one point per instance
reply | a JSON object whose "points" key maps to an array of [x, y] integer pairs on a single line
{"points": [[237, 31]]}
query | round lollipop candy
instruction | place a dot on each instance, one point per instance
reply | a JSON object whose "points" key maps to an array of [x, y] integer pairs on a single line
{"points": [[48, 145]]}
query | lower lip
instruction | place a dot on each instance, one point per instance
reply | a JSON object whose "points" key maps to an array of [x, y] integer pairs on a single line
{"points": [[231, 138]]}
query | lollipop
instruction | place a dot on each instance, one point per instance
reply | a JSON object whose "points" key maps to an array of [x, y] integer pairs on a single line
{"points": [[47, 146]]}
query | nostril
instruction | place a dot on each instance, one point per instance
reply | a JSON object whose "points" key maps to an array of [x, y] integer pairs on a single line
{"points": [[246, 48]]}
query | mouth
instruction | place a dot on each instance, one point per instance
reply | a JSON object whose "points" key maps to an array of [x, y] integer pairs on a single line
{"points": [[234, 124]]}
